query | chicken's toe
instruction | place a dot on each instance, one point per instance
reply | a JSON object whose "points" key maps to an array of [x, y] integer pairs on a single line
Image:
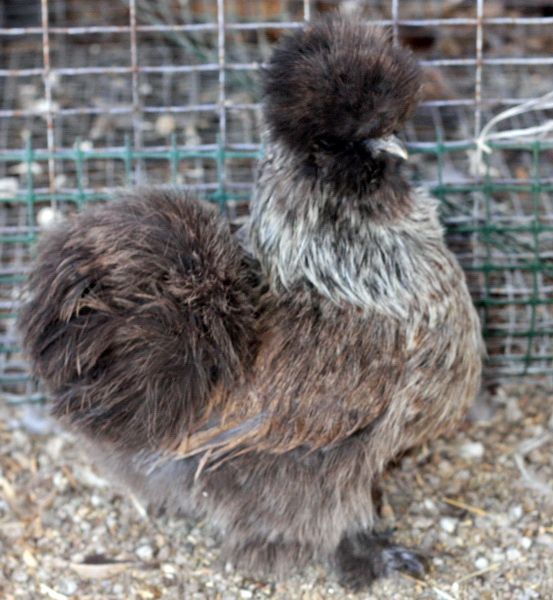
{"points": [[364, 557]]}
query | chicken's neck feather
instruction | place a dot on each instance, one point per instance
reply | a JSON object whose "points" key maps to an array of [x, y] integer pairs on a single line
{"points": [[376, 250]]}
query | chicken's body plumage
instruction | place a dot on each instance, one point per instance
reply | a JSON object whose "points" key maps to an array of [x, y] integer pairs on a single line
{"points": [[266, 387]]}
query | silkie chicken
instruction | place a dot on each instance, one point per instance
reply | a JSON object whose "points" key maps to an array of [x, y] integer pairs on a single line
{"points": [[264, 381]]}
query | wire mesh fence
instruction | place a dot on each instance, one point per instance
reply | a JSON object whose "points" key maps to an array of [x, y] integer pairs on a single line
{"points": [[117, 92]]}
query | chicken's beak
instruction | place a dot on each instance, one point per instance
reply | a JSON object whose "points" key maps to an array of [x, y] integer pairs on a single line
{"points": [[391, 145]]}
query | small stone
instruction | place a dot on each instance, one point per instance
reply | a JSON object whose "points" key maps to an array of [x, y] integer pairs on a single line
{"points": [[68, 587], [429, 505], [529, 505], [423, 523], [525, 542], [534, 431], [60, 482], [501, 520], [84, 145], [387, 512], [164, 553], [8, 187], [145, 552], [229, 568], [445, 467], [95, 500], [19, 576], [246, 594], [61, 180], [48, 217], [448, 524], [545, 539], [165, 125], [513, 554], [482, 410], [169, 570], [463, 475], [471, 450], [23, 168], [29, 559], [512, 411], [516, 512], [481, 563], [145, 87]]}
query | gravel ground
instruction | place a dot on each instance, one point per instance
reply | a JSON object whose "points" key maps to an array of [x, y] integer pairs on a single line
{"points": [[480, 504]]}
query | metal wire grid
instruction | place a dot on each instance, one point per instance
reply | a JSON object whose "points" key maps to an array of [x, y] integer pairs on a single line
{"points": [[167, 92]]}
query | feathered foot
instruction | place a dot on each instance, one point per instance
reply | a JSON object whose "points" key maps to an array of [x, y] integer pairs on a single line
{"points": [[274, 559], [365, 556]]}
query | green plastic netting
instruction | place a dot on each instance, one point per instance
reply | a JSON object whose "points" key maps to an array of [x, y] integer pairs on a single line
{"points": [[122, 93]]}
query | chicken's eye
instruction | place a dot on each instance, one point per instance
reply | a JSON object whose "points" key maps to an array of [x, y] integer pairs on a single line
{"points": [[334, 144]]}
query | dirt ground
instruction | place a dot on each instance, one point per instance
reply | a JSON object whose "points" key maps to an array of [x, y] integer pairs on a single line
{"points": [[479, 504]]}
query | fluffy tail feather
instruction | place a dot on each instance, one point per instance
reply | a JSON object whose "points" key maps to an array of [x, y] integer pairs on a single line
{"points": [[137, 311]]}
